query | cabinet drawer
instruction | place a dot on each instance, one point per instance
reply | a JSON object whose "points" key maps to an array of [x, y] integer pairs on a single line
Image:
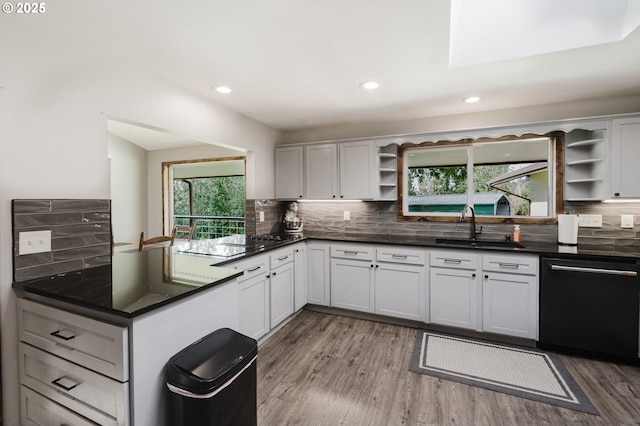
{"points": [[513, 264], [97, 345], [254, 268], [36, 410], [83, 391], [454, 259], [400, 255], [352, 252], [280, 257]]}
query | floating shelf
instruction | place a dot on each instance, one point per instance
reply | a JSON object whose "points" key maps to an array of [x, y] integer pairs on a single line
{"points": [[587, 161], [585, 180], [584, 143]]}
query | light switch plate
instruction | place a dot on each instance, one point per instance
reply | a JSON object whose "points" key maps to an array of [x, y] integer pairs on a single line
{"points": [[261, 214], [590, 221], [34, 242], [626, 221], [347, 215]]}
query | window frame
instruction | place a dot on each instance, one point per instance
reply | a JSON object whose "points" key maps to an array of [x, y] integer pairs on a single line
{"points": [[556, 163]]}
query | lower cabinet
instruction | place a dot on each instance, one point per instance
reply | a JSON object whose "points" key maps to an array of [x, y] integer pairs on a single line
{"points": [[400, 291], [454, 289], [253, 306], [510, 295], [352, 284], [73, 366], [318, 273], [281, 293]]}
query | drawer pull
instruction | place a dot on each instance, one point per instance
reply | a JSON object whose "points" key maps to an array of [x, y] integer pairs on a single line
{"points": [[65, 383], [255, 268], [456, 261], [399, 256], [350, 252], [58, 333], [283, 257], [508, 265]]}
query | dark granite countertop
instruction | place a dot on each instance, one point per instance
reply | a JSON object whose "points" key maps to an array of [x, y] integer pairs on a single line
{"points": [[139, 282]]}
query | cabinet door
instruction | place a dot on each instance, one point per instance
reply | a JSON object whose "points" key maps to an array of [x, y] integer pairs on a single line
{"points": [[253, 298], [300, 277], [625, 151], [510, 304], [453, 297], [352, 285], [318, 282], [400, 291], [281, 293], [321, 171], [357, 170], [289, 173]]}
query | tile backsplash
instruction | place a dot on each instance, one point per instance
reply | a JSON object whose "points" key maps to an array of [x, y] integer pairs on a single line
{"points": [[80, 235], [380, 218]]}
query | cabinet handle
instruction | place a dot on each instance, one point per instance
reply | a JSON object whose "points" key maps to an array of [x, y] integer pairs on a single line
{"points": [[486, 277], [350, 252], [617, 194], [70, 384], [274, 274], [509, 265], [399, 256], [58, 333], [283, 257], [473, 275], [456, 261], [255, 268]]}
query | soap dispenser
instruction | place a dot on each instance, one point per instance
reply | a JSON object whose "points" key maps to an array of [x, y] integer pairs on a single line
{"points": [[516, 233]]}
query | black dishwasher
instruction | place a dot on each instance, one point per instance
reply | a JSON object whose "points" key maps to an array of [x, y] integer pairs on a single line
{"points": [[589, 306]]}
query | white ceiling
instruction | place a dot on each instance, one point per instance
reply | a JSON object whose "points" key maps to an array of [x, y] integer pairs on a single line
{"points": [[295, 63]]}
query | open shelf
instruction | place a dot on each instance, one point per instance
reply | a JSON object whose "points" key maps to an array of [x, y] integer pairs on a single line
{"points": [[584, 143], [584, 165], [387, 172], [588, 161]]}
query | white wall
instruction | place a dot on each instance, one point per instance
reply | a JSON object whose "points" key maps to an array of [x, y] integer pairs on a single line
{"points": [[55, 98], [476, 120], [128, 189]]}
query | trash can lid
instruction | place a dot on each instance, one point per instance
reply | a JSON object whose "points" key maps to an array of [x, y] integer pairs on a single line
{"points": [[206, 364]]}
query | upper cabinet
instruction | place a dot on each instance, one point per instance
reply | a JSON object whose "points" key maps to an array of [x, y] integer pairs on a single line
{"points": [[289, 172], [321, 171], [625, 151], [584, 168], [353, 170]]}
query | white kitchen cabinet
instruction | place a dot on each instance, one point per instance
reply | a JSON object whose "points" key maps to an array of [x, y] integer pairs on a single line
{"points": [[321, 171], [357, 170], [253, 298], [36, 410], [401, 283], [510, 295], [352, 285], [76, 363], [289, 172], [387, 162], [300, 276], [318, 273], [625, 151], [454, 289], [585, 165], [281, 292]]}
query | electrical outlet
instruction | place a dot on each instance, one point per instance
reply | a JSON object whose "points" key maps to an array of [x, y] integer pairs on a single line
{"points": [[347, 215], [590, 221], [261, 216], [626, 221], [34, 242]]}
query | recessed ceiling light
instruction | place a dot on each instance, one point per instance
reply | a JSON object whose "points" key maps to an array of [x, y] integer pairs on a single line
{"points": [[222, 89], [471, 99], [370, 85]]}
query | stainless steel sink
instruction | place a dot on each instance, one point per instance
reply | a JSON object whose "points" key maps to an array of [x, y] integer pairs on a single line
{"points": [[478, 243]]}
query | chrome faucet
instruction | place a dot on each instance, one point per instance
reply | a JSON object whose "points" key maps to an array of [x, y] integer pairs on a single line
{"points": [[474, 232]]}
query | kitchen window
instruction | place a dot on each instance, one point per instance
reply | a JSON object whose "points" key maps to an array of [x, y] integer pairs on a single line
{"points": [[505, 180]]}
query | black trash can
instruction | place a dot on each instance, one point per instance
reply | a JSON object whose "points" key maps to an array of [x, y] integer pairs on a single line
{"points": [[213, 381]]}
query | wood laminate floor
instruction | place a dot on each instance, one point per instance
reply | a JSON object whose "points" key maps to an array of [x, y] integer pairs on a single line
{"points": [[324, 369]]}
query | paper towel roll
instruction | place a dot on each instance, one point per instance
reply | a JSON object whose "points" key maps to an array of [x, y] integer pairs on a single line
{"points": [[568, 229]]}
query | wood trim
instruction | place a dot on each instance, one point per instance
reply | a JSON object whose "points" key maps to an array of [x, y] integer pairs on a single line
{"points": [[557, 138]]}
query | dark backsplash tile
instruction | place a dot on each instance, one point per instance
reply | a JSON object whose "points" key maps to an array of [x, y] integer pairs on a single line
{"points": [[80, 235]]}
